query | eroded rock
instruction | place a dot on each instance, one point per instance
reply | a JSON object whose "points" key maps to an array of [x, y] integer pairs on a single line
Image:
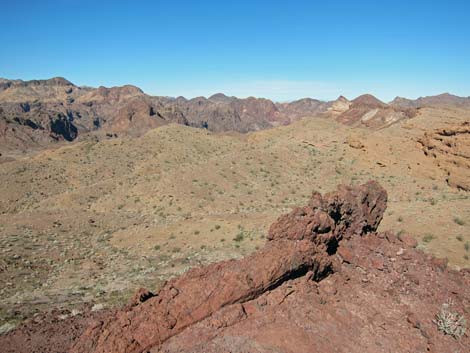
{"points": [[341, 214], [450, 148]]}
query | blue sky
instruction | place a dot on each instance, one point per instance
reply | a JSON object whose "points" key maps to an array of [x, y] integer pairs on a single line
{"points": [[281, 50]]}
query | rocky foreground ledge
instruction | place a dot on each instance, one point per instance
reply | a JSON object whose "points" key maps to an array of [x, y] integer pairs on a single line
{"points": [[325, 281]]}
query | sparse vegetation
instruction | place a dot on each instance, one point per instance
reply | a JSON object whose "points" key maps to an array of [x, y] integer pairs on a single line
{"points": [[428, 238], [128, 189], [450, 322], [459, 221]]}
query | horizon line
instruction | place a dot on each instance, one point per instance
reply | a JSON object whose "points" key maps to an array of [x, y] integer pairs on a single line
{"points": [[208, 96]]}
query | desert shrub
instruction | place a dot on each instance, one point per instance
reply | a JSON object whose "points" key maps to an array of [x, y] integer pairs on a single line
{"points": [[449, 322], [459, 221], [239, 237], [428, 237]]}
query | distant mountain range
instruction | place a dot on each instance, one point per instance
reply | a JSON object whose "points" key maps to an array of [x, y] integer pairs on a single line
{"points": [[441, 100], [38, 112]]}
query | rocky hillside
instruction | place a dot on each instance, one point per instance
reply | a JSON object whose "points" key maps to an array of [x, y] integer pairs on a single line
{"points": [[303, 108], [35, 113], [368, 111], [39, 112], [325, 281], [221, 113]]}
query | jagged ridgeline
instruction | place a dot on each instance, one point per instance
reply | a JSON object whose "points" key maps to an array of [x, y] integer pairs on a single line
{"points": [[39, 112]]}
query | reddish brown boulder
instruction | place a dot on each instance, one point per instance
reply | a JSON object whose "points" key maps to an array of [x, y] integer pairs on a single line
{"points": [[340, 214]]}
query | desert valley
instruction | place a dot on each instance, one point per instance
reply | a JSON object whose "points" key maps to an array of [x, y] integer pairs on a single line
{"points": [[108, 190]]}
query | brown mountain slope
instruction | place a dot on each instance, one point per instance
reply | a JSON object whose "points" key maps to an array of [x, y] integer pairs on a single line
{"points": [[368, 111], [221, 113], [36, 113], [305, 107]]}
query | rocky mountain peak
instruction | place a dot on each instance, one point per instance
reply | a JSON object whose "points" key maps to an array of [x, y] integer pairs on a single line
{"points": [[368, 100]]}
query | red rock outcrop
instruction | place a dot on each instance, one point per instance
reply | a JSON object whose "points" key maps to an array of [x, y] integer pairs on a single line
{"points": [[340, 214], [383, 296], [199, 293], [299, 242], [325, 281]]}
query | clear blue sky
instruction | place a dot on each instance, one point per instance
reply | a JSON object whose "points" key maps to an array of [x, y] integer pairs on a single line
{"points": [[277, 49]]}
